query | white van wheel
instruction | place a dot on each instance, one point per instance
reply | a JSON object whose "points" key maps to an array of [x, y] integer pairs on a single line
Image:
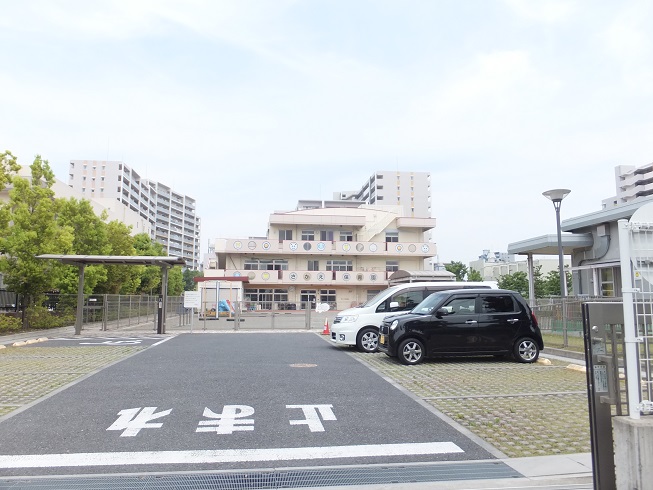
{"points": [[368, 340]]}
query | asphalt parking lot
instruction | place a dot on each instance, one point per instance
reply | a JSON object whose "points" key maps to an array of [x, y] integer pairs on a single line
{"points": [[510, 410]]}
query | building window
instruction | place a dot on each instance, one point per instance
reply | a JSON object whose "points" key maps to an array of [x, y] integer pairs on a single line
{"points": [[266, 265], [346, 236], [328, 296], [391, 265], [339, 265], [307, 297], [285, 235], [308, 235], [326, 235], [607, 282], [313, 265], [391, 236]]}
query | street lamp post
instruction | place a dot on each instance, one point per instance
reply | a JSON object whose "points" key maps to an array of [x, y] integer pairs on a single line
{"points": [[556, 196]]}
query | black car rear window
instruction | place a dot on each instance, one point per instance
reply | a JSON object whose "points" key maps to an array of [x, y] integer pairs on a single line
{"points": [[497, 304]]}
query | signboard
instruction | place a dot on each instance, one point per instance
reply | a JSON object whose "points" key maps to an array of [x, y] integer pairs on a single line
{"points": [[600, 378], [192, 299]]}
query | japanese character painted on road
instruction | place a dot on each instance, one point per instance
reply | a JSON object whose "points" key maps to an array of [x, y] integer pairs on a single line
{"points": [[231, 419], [130, 421], [312, 417]]}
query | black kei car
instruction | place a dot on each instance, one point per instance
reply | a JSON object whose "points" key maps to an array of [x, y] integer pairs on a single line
{"points": [[464, 322]]}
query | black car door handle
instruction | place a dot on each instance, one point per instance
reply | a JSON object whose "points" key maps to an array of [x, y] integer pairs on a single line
{"points": [[470, 322], [513, 320]]}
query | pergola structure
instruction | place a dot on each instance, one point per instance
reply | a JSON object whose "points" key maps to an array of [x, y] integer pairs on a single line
{"points": [[81, 261]]}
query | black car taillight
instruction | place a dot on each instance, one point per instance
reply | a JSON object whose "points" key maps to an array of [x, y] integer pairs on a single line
{"points": [[535, 324]]}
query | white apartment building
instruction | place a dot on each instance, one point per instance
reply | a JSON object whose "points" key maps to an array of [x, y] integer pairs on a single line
{"points": [[172, 215], [410, 190], [493, 266], [631, 183], [335, 253]]}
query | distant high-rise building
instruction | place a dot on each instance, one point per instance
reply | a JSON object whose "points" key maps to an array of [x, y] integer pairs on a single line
{"points": [[172, 215], [410, 190]]}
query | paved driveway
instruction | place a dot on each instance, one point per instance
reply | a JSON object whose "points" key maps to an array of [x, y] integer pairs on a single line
{"points": [[227, 401]]}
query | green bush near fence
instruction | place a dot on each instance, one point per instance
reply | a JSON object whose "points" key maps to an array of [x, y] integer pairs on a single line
{"points": [[42, 318], [9, 323]]}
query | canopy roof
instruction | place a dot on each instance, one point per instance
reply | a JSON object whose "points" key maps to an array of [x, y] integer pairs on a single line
{"points": [[164, 261]]}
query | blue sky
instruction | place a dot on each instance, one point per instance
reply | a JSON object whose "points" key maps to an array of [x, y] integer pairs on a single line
{"points": [[249, 106]]}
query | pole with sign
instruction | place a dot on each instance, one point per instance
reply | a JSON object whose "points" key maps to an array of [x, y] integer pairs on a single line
{"points": [[192, 299]]}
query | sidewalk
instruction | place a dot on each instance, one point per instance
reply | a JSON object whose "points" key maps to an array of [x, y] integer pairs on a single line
{"points": [[564, 471]]}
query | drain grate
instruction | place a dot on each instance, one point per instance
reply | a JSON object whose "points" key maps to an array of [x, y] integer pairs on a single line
{"points": [[274, 479]]}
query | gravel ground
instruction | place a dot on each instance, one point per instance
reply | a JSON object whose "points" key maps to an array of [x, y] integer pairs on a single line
{"points": [[522, 410], [28, 373]]}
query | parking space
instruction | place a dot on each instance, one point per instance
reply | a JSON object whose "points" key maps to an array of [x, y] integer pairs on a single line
{"points": [[115, 341], [228, 401]]}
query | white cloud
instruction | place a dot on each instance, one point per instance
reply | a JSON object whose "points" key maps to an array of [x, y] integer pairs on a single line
{"points": [[543, 10]]}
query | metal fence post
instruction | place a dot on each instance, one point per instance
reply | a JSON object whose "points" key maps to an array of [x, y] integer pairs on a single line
{"points": [[630, 328], [105, 312]]}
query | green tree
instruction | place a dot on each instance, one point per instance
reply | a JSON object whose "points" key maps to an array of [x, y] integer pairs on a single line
{"points": [[89, 238], [150, 278], [517, 281], [552, 282], [457, 268], [29, 228], [189, 283], [121, 279], [8, 168], [474, 275], [175, 281]]}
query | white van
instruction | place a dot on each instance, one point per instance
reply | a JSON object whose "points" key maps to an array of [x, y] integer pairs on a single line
{"points": [[359, 326]]}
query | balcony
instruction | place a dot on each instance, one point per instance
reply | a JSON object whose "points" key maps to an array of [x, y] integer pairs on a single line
{"points": [[301, 247], [307, 278]]}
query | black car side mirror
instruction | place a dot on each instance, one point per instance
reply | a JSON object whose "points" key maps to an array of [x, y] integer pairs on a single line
{"points": [[440, 312]]}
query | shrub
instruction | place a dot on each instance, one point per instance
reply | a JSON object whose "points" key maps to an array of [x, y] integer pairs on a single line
{"points": [[41, 317], [9, 323]]}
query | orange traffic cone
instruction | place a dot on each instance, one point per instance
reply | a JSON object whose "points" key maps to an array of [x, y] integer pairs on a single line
{"points": [[326, 327]]}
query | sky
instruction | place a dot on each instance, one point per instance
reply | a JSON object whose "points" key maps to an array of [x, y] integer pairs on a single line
{"points": [[251, 105]]}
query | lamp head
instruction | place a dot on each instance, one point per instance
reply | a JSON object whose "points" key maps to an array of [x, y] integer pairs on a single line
{"points": [[556, 195]]}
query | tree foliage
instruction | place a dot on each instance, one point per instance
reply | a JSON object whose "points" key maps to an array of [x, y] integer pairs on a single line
{"points": [[189, 283], [457, 268], [33, 230], [517, 281], [474, 275]]}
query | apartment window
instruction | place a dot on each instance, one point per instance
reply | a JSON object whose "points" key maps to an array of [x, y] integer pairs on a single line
{"points": [[391, 265], [391, 236], [326, 235], [308, 235], [285, 235], [313, 265], [339, 265], [72, 165], [346, 236]]}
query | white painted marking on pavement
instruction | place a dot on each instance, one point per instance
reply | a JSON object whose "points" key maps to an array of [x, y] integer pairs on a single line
{"points": [[224, 456]]}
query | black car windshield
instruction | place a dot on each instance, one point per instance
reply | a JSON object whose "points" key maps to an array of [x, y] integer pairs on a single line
{"points": [[427, 306]]}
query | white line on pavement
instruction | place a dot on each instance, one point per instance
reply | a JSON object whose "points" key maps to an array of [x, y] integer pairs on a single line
{"points": [[223, 456]]}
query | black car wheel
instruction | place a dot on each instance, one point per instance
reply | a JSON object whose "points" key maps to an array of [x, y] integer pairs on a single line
{"points": [[411, 351], [368, 340], [526, 350]]}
